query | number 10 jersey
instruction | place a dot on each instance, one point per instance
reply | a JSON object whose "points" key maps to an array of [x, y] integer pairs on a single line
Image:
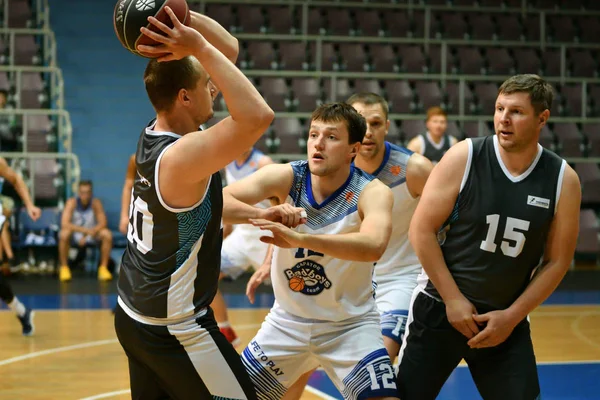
{"points": [[170, 269], [497, 232]]}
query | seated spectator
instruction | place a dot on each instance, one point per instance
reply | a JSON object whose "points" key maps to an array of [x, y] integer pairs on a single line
{"points": [[84, 224]]}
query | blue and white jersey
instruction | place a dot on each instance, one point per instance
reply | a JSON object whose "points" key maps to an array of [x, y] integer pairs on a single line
{"points": [[317, 286], [399, 258], [235, 172]]}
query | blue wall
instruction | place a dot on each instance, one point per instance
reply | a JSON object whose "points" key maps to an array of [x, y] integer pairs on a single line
{"points": [[104, 93]]}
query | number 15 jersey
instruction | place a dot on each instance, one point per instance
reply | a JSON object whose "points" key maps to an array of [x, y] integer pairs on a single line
{"points": [[170, 269], [497, 231]]}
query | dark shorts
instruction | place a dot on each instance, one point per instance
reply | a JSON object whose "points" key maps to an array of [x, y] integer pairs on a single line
{"points": [[434, 348], [191, 360]]}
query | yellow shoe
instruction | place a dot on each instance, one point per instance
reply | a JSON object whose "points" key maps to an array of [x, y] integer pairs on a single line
{"points": [[104, 274], [64, 274]]}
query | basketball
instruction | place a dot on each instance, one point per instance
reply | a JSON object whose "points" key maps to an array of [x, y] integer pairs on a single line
{"points": [[296, 283], [130, 15]]}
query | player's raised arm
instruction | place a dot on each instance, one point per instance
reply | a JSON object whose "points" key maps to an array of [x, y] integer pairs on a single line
{"points": [[198, 155], [216, 35]]}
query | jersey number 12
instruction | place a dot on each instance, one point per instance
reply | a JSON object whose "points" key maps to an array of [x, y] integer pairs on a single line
{"points": [[513, 231], [139, 231]]}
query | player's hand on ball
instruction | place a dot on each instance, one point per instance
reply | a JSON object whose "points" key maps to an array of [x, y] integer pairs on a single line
{"points": [[282, 235], [259, 276], [498, 327], [180, 41], [460, 315], [286, 214]]}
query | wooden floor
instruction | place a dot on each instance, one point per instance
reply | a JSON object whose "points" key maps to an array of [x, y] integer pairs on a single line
{"points": [[75, 354]]}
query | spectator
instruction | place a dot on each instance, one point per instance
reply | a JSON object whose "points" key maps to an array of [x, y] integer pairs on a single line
{"points": [[84, 224]]}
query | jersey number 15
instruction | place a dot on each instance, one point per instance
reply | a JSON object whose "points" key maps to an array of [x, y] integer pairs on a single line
{"points": [[514, 231]]}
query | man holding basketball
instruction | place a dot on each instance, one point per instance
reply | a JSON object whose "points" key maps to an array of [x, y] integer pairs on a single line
{"points": [[170, 269]]}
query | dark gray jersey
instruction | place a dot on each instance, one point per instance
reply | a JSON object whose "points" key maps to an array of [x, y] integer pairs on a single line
{"points": [[498, 229], [432, 151], [171, 266]]}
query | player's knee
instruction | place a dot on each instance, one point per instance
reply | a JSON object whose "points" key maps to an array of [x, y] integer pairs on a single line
{"points": [[65, 234], [105, 235]]}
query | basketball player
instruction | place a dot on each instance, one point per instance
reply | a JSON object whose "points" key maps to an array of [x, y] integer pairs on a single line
{"points": [[24, 314], [405, 173], [170, 268], [324, 312], [126, 194], [242, 248], [434, 143], [497, 205]]}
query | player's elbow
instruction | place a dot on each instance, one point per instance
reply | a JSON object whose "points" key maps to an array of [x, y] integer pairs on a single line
{"points": [[234, 49], [264, 116]]}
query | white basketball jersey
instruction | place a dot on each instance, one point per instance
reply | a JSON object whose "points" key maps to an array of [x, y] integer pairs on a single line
{"points": [[399, 258], [235, 172], [317, 286]]}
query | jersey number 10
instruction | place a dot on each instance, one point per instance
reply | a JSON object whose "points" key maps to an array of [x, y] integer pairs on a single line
{"points": [[510, 233], [139, 231]]}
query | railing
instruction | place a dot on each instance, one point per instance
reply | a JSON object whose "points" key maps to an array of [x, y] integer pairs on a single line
{"points": [[411, 5], [54, 79], [48, 43], [443, 78], [64, 126], [72, 170]]}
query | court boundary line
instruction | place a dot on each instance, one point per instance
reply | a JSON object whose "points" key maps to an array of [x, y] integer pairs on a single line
{"points": [[84, 345], [107, 394], [56, 350]]}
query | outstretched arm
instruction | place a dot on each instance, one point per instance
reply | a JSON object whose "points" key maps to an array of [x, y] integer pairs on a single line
{"points": [[270, 181], [368, 244], [21, 188]]}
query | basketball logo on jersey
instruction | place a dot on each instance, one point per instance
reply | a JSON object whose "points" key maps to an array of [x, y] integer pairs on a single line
{"points": [[396, 170], [307, 277]]}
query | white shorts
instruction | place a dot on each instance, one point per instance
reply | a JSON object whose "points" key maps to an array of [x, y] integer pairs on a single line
{"points": [[241, 250], [393, 301], [351, 352]]}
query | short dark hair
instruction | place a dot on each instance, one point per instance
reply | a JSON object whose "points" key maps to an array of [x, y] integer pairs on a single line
{"points": [[86, 183], [164, 80], [335, 112], [370, 99], [540, 92]]}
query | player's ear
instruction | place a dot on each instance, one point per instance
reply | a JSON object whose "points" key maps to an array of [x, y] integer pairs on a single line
{"points": [[183, 96], [544, 115], [354, 149]]}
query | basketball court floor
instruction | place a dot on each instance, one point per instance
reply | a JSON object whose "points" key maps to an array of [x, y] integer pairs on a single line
{"points": [[74, 353]]}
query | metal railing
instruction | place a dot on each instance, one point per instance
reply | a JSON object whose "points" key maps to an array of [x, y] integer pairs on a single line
{"points": [[52, 75], [411, 5], [72, 170], [48, 43], [442, 78], [64, 127]]}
